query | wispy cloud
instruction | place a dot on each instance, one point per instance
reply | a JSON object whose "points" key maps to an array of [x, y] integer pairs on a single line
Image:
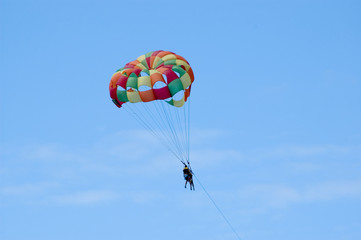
{"points": [[49, 193], [128, 145], [278, 195], [92, 197], [199, 136], [27, 189], [86, 197], [211, 157], [49, 152], [309, 150], [145, 196], [333, 190]]}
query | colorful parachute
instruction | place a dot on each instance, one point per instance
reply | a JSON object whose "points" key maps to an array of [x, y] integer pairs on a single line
{"points": [[137, 81], [155, 90]]}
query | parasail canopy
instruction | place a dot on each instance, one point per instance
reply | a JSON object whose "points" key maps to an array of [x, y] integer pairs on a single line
{"points": [[158, 75]]}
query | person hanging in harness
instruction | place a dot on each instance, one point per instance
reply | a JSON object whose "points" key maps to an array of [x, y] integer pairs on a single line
{"points": [[188, 176]]}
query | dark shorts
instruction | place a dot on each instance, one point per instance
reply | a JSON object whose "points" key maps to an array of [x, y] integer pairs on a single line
{"points": [[187, 177]]}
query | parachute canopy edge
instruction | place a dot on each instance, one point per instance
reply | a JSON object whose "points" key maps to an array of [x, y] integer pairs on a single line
{"points": [[117, 103]]}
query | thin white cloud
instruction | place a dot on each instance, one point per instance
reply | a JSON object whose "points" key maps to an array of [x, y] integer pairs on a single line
{"points": [[87, 197], [309, 150], [303, 166], [271, 194], [127, 145], [49, 152], [278, 195], [145, 196], [211, 157], [93, 197], [199, 136], [27, 189], [333, 190]]}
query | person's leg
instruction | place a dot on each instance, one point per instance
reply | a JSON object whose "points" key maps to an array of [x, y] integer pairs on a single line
{"points": [[192, 184]]}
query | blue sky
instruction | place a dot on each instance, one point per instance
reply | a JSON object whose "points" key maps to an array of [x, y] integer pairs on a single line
{"points": [[275, 121]]}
